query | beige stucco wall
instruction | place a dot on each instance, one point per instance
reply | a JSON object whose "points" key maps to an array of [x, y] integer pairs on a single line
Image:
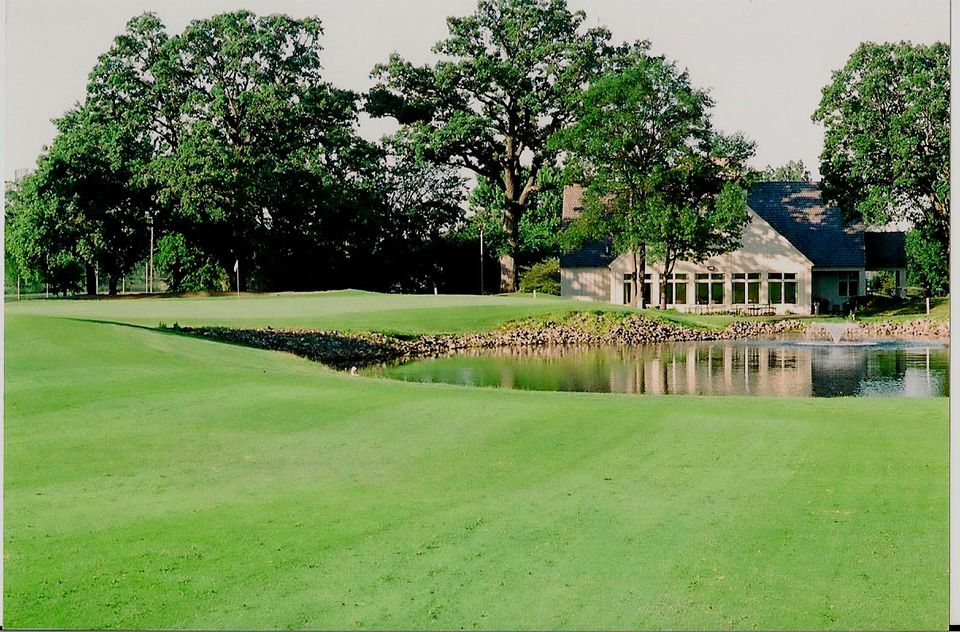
{"points": [[585, 284], [762, 250]]}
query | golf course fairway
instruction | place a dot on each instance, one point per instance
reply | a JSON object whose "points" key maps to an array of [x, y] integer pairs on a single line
{"points": [[161, 481]]}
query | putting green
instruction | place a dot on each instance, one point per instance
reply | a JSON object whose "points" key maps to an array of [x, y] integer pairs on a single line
{"points": [[154, 480]]}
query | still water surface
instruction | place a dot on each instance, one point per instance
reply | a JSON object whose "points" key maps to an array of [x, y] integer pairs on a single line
{"points": [[771, 367]]}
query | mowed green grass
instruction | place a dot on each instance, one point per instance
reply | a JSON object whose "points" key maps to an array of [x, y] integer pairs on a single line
{"points": [[913, 309], [348, 310], [155, 480], [359, 311]]}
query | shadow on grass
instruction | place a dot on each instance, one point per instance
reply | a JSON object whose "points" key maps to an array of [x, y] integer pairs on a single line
{"points": [[338, 351], [912, 307]]}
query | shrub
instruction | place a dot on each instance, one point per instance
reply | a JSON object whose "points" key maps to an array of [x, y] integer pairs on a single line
{"points": [[883, 282], [544, 277], [188, 269]]}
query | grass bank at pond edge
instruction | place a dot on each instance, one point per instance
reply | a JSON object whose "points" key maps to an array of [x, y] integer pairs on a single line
{"points": [[344, 349]]}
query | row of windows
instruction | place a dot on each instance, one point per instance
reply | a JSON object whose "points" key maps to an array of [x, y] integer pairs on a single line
{"points": [[709, 288]]}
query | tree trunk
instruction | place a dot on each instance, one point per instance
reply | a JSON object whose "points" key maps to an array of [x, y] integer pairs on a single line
{"points": [[509, 281], [508, 274], [114, 281], [91, 280], [639, 272], [667, 270], [942, 214]]}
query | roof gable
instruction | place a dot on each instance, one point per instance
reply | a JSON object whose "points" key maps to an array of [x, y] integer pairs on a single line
{"points": [[796, 210], [760, 230]]}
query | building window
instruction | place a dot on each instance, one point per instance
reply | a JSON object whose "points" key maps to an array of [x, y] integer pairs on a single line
{"points": [[676, 289], [710, 288], [746, 288], [782, 288], [849, 283], [628, 289]]}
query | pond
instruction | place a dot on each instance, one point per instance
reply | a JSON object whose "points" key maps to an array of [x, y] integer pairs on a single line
{"points": [[755, 367]]}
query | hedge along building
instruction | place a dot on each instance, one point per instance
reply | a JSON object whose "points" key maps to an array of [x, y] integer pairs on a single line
{"points": [[796, 256]]}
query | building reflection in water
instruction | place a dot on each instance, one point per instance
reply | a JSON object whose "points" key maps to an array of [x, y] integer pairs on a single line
{"points": [[765, 368], [713, 369]]}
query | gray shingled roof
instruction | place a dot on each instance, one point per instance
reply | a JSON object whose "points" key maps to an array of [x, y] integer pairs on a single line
{"points": [[593, 254], [885, 250], [796, 210]]}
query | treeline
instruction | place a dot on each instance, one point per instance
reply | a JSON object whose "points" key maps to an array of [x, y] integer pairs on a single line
{"points": [[225, 148], [226, 141]]}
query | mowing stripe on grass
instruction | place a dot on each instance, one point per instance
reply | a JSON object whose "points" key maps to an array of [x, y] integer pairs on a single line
{"points": [[155, 480]]}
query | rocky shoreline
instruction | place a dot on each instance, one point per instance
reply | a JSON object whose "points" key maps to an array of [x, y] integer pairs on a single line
{"points": [[920, 329], [345, 350]]}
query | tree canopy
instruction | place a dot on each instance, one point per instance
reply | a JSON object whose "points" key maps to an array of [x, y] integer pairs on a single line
{"points": [[660, 182], [504, 85], [227, 144], [886, 154], [791, 171], [83, 206], [227, 140], [928, 262], [886, 115]]}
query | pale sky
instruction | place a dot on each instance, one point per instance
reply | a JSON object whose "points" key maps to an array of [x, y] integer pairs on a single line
{"points": [[764, 61]]}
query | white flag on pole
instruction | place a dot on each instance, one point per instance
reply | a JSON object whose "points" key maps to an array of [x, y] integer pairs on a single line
{"points": [[236, 265]]}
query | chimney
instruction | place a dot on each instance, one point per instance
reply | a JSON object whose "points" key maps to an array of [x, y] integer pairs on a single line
{"points": [[572, 201]]}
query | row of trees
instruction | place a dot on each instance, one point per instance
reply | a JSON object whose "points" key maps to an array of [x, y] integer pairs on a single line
{"points": [[226, 141], [226, 144]]}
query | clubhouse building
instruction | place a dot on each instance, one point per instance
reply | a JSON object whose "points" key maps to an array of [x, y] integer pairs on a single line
{"points": [[797, 256]]}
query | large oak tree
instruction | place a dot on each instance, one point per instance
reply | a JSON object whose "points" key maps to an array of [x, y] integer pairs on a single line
{"points": [[254, 156], [505, 83], [886, 154]]}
